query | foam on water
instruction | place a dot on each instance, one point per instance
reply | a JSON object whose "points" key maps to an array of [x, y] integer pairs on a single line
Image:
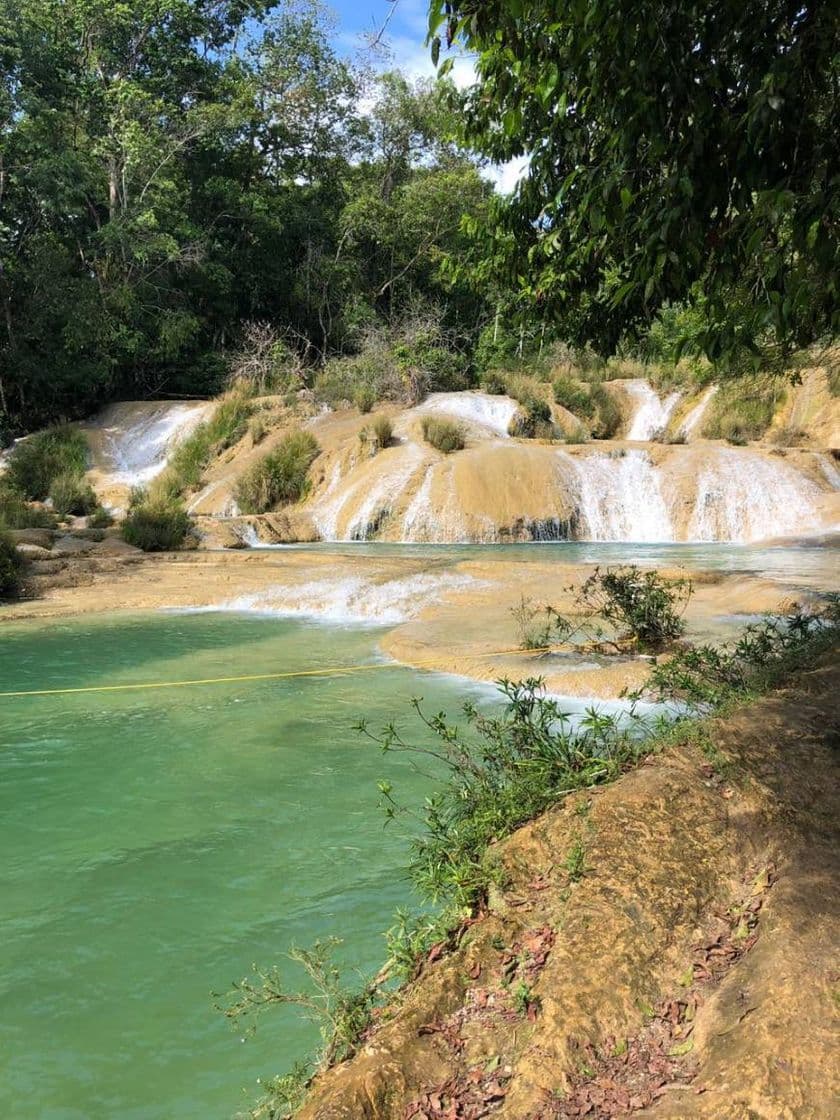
{"points": [[353, 600], [652, 414]]}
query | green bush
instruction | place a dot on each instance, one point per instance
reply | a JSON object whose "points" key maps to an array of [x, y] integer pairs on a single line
{"points": [[364, 398], [156, 525], [70, 494], [38, 460], [442, 434], [743, 409], [533, 420], [494, 383], [100, 518], [16, 513], [573, 395], [280, 477], [606, 415], [11, 564], [226, 426]]}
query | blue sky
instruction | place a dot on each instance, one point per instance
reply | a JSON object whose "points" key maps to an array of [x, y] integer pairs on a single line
{"points": [[405, 38]]}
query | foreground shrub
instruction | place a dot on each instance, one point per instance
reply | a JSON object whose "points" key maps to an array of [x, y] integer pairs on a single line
{"points": [[11, 565], [280, 477], [70, 494], [445, 435], [37, 461], [156, 526], [16, 513]]}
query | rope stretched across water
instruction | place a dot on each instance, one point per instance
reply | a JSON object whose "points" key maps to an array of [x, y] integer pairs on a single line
{"points": [[327, 671]]}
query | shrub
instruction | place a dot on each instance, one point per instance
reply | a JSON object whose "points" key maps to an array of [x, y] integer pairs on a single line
{"points": [[16, 513], [100, 518], [188, 462], [494, 383], [642, 607], [279, 477], [442, 434], [257, 430], [533, 420], [156, 525], [743, 409], [382, 429], [11, 564], [573, 395], [70, 494], [264, 363], [38, 460], [606, 413], [364, 398]]}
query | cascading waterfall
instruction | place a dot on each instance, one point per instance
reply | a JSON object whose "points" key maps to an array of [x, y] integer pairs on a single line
{"points": [[480, 409], [620, 498], [690, 426], [367, 502], [139, 437], [742, 496], [652, 415]]}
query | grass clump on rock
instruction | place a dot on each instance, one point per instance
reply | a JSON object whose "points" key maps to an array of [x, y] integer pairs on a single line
{"points": [[156, 525], [71, 495], [11, 564], [281, 477], [17, 513], [39, 460], [226, 426], [444, 435]]}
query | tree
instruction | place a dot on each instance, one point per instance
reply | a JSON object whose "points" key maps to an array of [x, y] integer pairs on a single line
{"points": [[677, 151]]}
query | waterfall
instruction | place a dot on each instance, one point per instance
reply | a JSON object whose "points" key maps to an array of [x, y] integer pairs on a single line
{"points": [[620, 498], [691, 424], [138, 437], [480, 409], [652, 414], [743, 496], [364, 505]]}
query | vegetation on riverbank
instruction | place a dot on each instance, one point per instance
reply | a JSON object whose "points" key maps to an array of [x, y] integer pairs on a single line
{"points": [[500, 772]]}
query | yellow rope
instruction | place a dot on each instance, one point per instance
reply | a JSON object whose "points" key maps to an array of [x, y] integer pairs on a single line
{"points": [[337, 670]]}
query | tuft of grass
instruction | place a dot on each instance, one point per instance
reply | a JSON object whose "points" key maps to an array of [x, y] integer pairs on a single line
{"points": [[11, 566], [281, 477], [443, 434], [575, 861], [100, 518], [226, 426], [364, 398], [156, 525], [17, 513], [71, 495], [788, 437], [37, 461], [494, 383], [743, 409], [257, 429]]}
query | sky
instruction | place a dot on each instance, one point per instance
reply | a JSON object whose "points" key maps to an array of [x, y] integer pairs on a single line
{"points": [[405, 39]]}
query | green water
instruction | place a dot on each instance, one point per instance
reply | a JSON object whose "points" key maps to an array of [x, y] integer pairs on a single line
{"points": [[156, 844]]}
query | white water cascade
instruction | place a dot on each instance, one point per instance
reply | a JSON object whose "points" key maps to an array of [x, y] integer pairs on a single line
{"points": [[371, 498], [480, 409], [742, 496], [138, 437], [620, 498], [690, 426], [652, 414]]}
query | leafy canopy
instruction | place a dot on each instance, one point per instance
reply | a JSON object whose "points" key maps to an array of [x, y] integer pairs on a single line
{"points": [[677, 151]]}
